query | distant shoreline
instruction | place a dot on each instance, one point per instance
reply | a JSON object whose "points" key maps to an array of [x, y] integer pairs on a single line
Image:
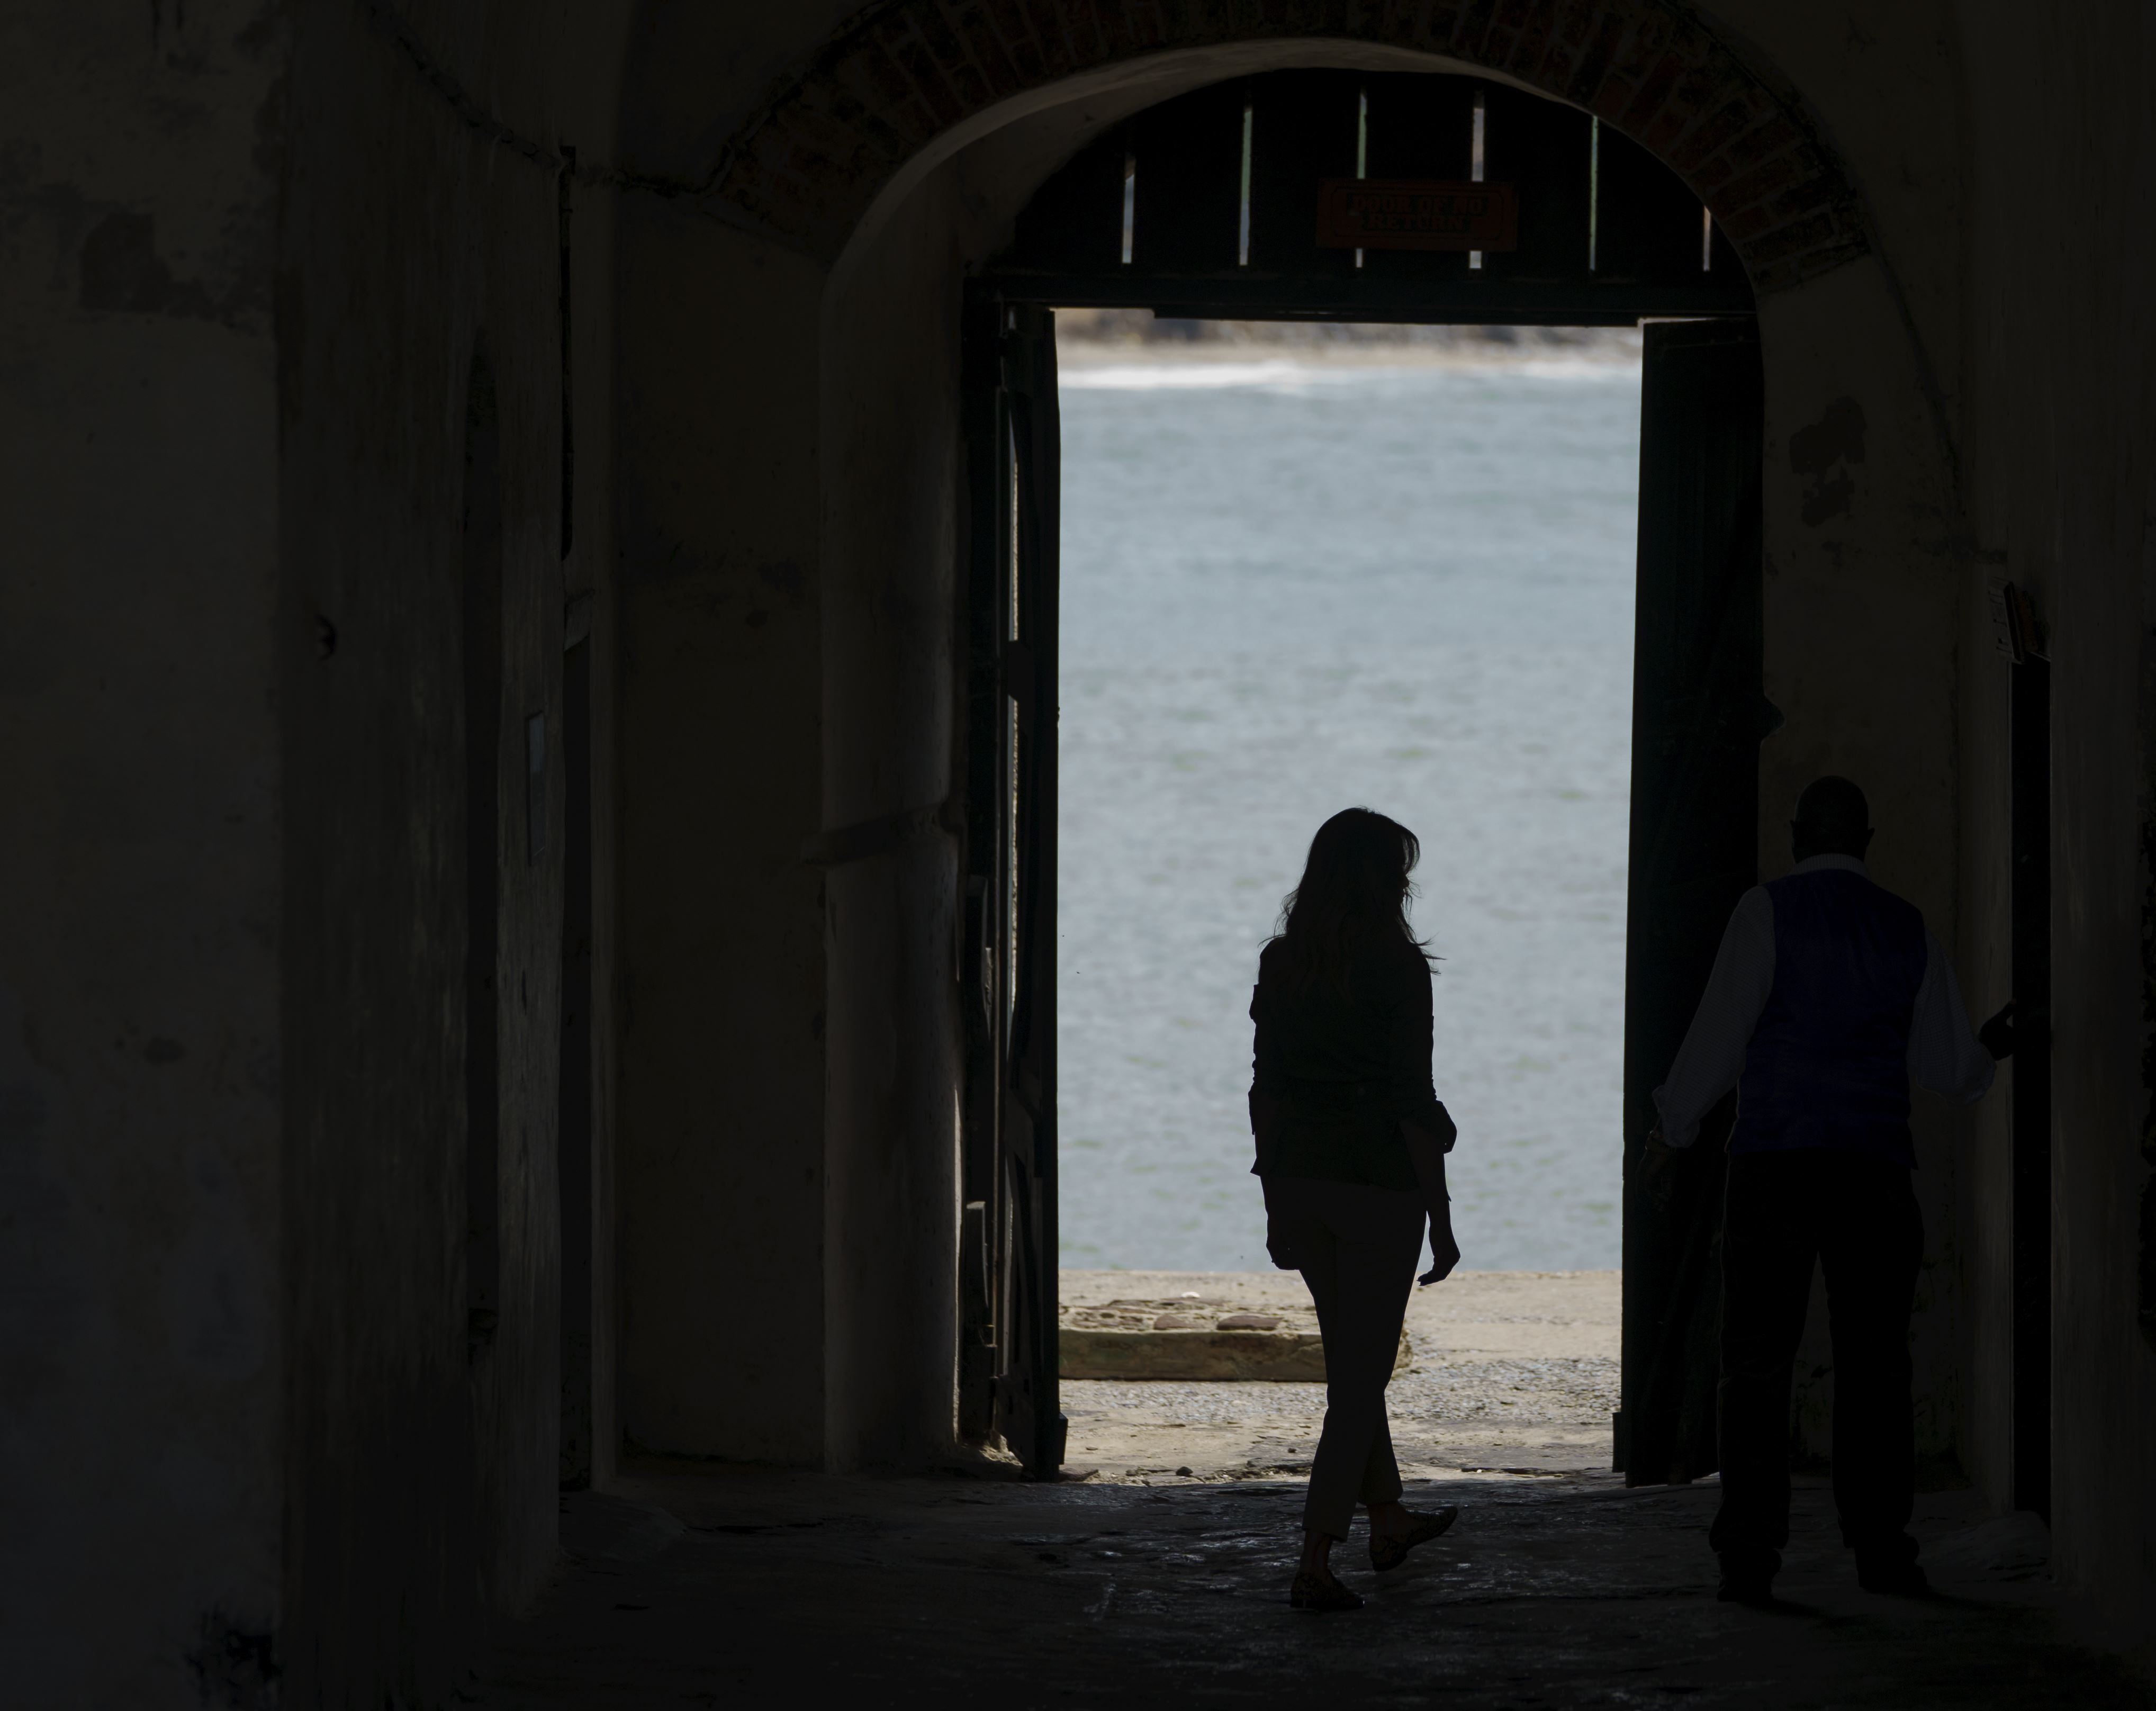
{"points": [[1097, 336]]}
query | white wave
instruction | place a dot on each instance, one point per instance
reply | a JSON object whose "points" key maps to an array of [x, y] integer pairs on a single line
{"points": [[1283, 374], [1190, 377], [1573, 368]]}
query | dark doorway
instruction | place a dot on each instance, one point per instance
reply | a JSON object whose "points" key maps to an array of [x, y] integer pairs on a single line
{"points": [[1214, 204], [2030, 748]]}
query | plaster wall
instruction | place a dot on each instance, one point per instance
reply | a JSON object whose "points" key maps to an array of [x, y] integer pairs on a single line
{"points": [[420, 1456], [721, 994], [141, 1047], [422, 233], [694, 72], [1861, 623], [251, 262], [892, 497], [592, 609], [1883, 87]]}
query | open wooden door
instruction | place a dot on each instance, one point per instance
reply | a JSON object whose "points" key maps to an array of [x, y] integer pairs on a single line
{"points": [[1008, 1263], [1698, 715]]}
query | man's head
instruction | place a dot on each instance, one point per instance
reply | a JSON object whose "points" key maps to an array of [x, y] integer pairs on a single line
{"points": [[1833, 818]]}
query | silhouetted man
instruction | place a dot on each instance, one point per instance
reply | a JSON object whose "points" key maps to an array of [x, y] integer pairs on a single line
{"points": [[1829, 993]]}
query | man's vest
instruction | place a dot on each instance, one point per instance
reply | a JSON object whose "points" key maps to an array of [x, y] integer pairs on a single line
{"points": [[1829, 1061]]}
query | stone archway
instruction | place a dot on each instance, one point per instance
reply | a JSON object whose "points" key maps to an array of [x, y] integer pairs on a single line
{"points": [[787, 569], [808, 164]]}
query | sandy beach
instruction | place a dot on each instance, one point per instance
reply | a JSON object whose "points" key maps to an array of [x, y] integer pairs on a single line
{"points": [[1513, 1372]]}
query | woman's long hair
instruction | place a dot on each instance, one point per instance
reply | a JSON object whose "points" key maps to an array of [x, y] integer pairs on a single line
{"points": [[1354, 889]]}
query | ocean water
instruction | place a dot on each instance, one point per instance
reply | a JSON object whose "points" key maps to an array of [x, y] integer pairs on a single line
{"points": [[1294, 585]]}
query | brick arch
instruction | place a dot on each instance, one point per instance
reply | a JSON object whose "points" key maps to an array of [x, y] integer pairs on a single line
{"points": [[907, 72]]}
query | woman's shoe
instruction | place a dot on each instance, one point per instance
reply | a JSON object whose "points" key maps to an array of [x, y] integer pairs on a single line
{"points": [[1321, 1592], [1390, 1552]]}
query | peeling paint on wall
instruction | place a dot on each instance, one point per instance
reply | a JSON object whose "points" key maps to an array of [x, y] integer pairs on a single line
{"points": [[1824, 453], [233, 1664]]}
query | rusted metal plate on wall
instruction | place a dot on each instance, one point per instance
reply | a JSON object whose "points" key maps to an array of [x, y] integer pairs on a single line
{"points": [[1416, 214]]}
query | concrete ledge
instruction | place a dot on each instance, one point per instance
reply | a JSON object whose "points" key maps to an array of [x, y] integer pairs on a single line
{"points": [[1182, 1337]]}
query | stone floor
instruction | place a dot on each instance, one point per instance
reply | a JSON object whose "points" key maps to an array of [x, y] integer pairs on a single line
{"points": [[751, 1589], [1159, 1578]]}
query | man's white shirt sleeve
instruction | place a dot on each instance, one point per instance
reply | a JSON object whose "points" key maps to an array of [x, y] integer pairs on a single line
{"points": [[1712, 1056]]}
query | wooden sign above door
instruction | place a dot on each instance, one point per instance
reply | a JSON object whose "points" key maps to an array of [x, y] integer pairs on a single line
{"points": [[1416, 214]]}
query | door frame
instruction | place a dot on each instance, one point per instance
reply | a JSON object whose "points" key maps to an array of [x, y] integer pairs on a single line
{"points": [[1699, 713], [1007, 1379]]}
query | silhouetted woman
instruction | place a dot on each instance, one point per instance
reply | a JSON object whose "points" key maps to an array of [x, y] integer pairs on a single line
{"points": [[1351, 1142]]}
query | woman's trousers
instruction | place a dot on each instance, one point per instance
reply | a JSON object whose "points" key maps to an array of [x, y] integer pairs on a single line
{"points": [[1357, 1247]]}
